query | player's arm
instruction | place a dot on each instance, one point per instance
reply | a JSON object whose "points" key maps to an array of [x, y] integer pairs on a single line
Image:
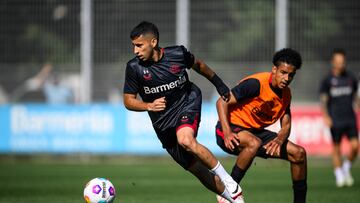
{"points": [[246, 89], [134, 104], [200, 67], [273, 147], [131, 88], [324, 101], [230, 138]]}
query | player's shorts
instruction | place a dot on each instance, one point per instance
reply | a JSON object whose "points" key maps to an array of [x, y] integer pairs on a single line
{"points": [[350, 130], [186, 115], [169, 138], [264, 135]]}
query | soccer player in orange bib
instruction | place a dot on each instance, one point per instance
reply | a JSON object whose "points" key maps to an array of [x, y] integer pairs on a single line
{"points": [[258, 101]]}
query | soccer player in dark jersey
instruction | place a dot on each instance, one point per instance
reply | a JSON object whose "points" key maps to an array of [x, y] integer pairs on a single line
{"points": [[159, 76], [258, 101], [337, 94]]}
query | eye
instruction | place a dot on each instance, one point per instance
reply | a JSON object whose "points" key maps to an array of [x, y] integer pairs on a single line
{"points": [[138, 45]]}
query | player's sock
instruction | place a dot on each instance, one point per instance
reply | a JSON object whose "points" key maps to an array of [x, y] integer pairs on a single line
{"points": [[237, 173], [349, 181], [230, 184], [346, 165], [338, 172], [221, 172], [299, 188], [339, 176]]}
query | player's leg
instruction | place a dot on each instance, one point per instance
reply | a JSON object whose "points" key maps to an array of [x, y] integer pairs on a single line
{"points": [[186, 132], [296, 155], [245, 152], [352, 134], [189, 162], [298, 160], [186, 139], [354, 149], [249, 145], [336, 134], [209, 180]]}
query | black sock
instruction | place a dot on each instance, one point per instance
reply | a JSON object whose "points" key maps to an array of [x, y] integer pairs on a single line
{"points": [[237, 173], [300, 188]]}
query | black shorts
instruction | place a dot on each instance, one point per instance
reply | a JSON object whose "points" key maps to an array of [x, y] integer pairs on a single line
{"points": [[350, 130], [264, 135], [169, 138]]}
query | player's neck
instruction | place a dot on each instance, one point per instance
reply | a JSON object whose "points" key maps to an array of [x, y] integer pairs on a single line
{"points": [[158, 54], [337, 72]]}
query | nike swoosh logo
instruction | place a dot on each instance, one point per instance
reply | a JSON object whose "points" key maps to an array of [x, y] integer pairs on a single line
{"points": [[237, 188]]}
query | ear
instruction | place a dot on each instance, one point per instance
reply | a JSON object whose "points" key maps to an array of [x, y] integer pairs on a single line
{"points": [[274, 69], [154, 42]]}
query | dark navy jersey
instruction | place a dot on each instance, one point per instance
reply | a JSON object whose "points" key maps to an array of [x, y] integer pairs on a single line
{"points": [[341, 91], [166, 78]]}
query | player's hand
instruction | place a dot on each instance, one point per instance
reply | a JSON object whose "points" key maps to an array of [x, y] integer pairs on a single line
{"points": [[231, 141], [273, 147], [328, 121], [157, 105]]}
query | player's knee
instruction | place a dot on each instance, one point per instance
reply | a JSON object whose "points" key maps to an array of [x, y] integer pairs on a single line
{"points": [[254, 144], [355, 149], [187, 142], [300, 155]]}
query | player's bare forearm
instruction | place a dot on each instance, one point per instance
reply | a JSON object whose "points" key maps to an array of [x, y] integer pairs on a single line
{"points": [[134, 104], [324, 99], [230, 138], [203, 69], [357, 103], [284, 132], [273, 147], [223, 112]]}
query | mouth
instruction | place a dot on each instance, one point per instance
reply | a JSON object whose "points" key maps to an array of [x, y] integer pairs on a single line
{"points": [[284, 84]]}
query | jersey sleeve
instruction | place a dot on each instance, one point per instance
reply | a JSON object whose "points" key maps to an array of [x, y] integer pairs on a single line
{"points": [[246, 89], [131, 85], [324, 87], [189, 58]]}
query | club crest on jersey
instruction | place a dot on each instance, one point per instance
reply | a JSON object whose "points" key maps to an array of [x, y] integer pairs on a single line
{"points": [[147, 75], [184, 118], [175, 68], [265, 111], [334, 81]]}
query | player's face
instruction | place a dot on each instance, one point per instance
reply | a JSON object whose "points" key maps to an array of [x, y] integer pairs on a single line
{"points": [[283, 74], [338, 62], [144, 46]]}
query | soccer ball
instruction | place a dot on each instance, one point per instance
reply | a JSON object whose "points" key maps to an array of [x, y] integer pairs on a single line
{"points": [[99, 190]]}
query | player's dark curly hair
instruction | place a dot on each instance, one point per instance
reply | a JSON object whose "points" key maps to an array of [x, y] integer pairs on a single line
{"points": [[338, 51], [289, 56], [144, 28]]}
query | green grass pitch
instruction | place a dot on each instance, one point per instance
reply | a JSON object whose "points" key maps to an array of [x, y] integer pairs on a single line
{"points": [[160, 180]]}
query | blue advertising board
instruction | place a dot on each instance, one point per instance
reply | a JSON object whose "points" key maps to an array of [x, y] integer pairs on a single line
{"points": [[94, 128]]}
